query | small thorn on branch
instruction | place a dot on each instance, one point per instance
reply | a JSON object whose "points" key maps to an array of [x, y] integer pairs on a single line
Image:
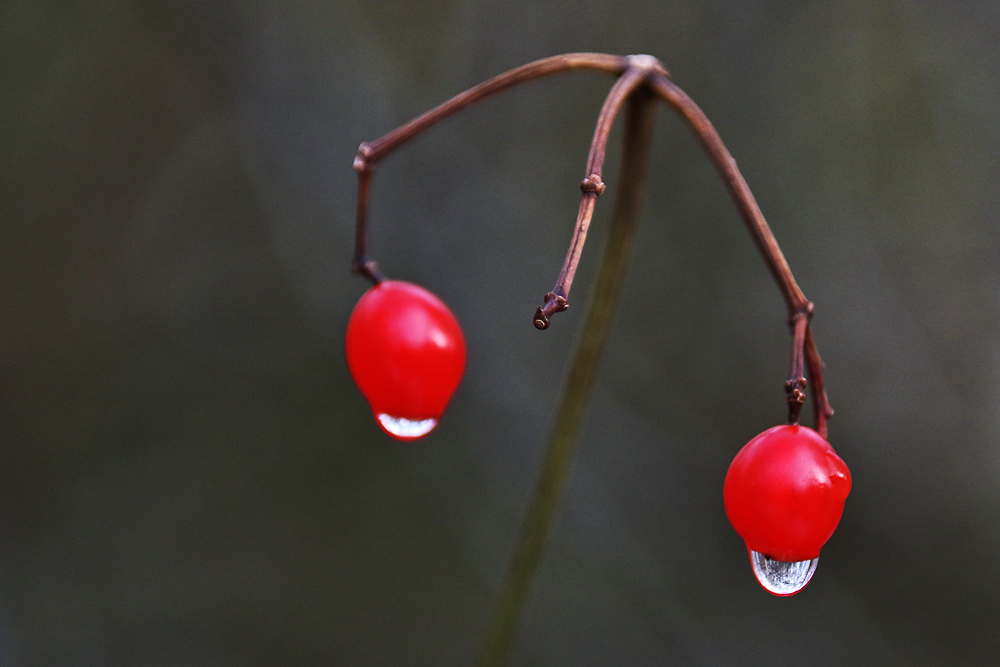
{"points": [[553, 304]]}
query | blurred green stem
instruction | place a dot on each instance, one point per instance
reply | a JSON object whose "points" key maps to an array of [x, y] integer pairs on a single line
{"points": [[579, 384]]}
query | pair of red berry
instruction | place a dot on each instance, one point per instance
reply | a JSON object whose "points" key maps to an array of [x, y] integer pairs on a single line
{"points": [[784, 492]]}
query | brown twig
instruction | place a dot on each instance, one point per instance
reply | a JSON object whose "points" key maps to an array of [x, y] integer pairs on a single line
{"points": [[371, 152], [360, 264], [638, 77], [639, 69], [821, 403], [632, 71], [795, 386], [578, 385], [738, 188], [799, 307]]}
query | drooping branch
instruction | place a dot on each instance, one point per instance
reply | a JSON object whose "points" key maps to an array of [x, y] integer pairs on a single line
{"points": [[638, 78], [800, 309], [577, 386], [371, 152], [632, 72], [639, 69], [738, 188]]}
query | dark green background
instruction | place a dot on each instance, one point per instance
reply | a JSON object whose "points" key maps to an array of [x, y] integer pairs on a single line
{"points": [[188, 477]]}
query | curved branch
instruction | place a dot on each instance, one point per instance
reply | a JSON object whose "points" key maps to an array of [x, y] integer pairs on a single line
{"points": [[633, 72], [371, 152], [738, 188], [578, 385], [799, 307], [640, 69]]}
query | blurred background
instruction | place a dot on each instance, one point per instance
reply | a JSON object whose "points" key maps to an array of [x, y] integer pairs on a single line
{"points": [[188, 476]]}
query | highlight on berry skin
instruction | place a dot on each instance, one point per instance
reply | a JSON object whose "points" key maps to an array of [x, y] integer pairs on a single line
{"points": [[784, 495], [406, 353]]}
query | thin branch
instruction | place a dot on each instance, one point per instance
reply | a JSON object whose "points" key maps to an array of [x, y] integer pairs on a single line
{"points": [[371, 152], [640, 77], [640, 68], [821, 403], [796, 384], [360, 264], [578, 385], [739, 190], [799, 307]]}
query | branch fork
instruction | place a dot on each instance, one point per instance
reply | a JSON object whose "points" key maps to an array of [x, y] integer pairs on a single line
{"points": [[640, 80], [634, 73]]}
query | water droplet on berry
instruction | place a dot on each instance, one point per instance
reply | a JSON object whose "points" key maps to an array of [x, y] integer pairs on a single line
{"points": [[780, 577], [406, 429]]}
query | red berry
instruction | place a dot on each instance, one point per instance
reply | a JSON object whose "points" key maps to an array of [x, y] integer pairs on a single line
{"points": [[406, 353], [785, 492]]}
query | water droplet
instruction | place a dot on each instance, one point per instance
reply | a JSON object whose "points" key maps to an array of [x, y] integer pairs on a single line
{"points": [[406, 429], [780, 577]]}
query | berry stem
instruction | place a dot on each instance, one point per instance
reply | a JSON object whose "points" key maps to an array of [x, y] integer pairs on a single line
{"points": [[821, 404], [578, 385], [361, 265], [796, 384]]}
